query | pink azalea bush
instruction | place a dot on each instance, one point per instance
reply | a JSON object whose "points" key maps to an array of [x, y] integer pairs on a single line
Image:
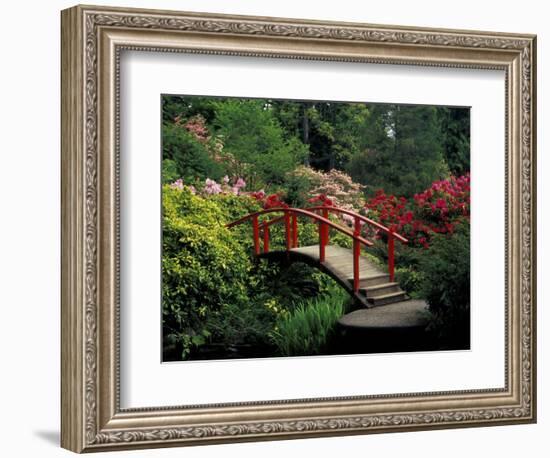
{"points": [[212, 187], [334, 186], [196, 125]]}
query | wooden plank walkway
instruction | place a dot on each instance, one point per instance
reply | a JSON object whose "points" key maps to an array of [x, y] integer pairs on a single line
{"points": [[375, 287], [340, 261]]}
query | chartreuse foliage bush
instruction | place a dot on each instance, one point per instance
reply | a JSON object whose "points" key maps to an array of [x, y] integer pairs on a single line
{"points": [[204, 267], [446, 286]]}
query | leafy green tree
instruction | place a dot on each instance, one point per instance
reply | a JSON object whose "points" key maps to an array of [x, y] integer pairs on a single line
{"points": [[417, 148], [183, 107], [455, 130], [410, 155], [332, 130], [186, 157], [251, 133]]}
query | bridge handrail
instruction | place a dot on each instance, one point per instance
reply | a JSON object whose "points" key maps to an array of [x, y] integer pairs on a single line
{"points": [[361, 218], [291, 232], [347, 212], [303, 212]]}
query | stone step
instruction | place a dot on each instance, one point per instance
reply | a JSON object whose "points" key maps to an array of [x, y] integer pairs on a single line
{"points": [[401, 315], [381, 289], [369, 280], [385, 299]]}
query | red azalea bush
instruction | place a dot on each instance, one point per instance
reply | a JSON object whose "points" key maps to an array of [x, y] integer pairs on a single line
{"points": [[438, 209], [273, 201], [321, 201]]}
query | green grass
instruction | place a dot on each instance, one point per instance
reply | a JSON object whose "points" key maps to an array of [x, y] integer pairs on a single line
{"points": [[308, 328]]}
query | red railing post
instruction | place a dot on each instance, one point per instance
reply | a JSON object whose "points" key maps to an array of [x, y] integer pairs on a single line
{"points": [[266, 238], [391, 255], [294, 231], [327, 229], [256, 235], [287, 231], [356, 253], [357, 226], [321, 242]]}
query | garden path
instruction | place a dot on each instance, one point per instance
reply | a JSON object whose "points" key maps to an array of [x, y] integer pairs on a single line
{"points": [[389, 314]]}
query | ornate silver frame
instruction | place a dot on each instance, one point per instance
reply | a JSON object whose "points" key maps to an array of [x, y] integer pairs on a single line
{"points": [[92, 38]]}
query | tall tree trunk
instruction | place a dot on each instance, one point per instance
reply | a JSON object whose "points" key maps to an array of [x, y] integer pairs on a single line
{"points": [[305, 131], [396, 132], [331, 160]]}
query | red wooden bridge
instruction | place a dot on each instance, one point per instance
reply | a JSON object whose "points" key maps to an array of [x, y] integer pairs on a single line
{"points": [[367, 282]]}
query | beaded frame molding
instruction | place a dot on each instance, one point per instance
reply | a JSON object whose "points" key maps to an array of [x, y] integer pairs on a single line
{"points": [[92, 40]]}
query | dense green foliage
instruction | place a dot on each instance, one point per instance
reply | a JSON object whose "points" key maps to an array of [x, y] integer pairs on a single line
{"points": [[410, 156], [455, 127], [399, 148], [253, 136], [213, 291], [309, 327], [410, 279], [185, 157], [204, 268], [223, 158], [446, 286]]}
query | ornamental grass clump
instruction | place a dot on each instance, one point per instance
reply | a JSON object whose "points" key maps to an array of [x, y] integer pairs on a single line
{"points": [[308, 329]]}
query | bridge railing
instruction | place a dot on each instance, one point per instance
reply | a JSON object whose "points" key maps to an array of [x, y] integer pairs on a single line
{"points": [[320, 215], [289, 217], [358, 222]]}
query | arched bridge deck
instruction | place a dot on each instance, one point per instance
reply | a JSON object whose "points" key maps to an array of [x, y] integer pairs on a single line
{"points": [[367, 282], [375, 287]]}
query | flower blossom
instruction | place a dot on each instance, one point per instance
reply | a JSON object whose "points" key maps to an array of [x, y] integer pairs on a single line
{"points": [[212, 187], [240, 183], [258, 195], [274, 201], [178, 184]]}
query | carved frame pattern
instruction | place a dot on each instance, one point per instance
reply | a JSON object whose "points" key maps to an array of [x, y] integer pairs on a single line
{"points": [[82, 404]]}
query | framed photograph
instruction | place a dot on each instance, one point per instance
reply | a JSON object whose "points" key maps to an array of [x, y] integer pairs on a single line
{"points": [[278, 228]]}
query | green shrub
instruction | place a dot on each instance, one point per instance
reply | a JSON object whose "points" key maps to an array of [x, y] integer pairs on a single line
{"points": [[307, 330], [204, 269], [253, 135], [297, 187], [446, 286], [233, 207], [189, 158], [410, 281], [289, 285], [170, 172]]}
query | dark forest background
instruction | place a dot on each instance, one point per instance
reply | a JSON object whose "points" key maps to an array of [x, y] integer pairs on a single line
{"points": [[400, 148]]}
